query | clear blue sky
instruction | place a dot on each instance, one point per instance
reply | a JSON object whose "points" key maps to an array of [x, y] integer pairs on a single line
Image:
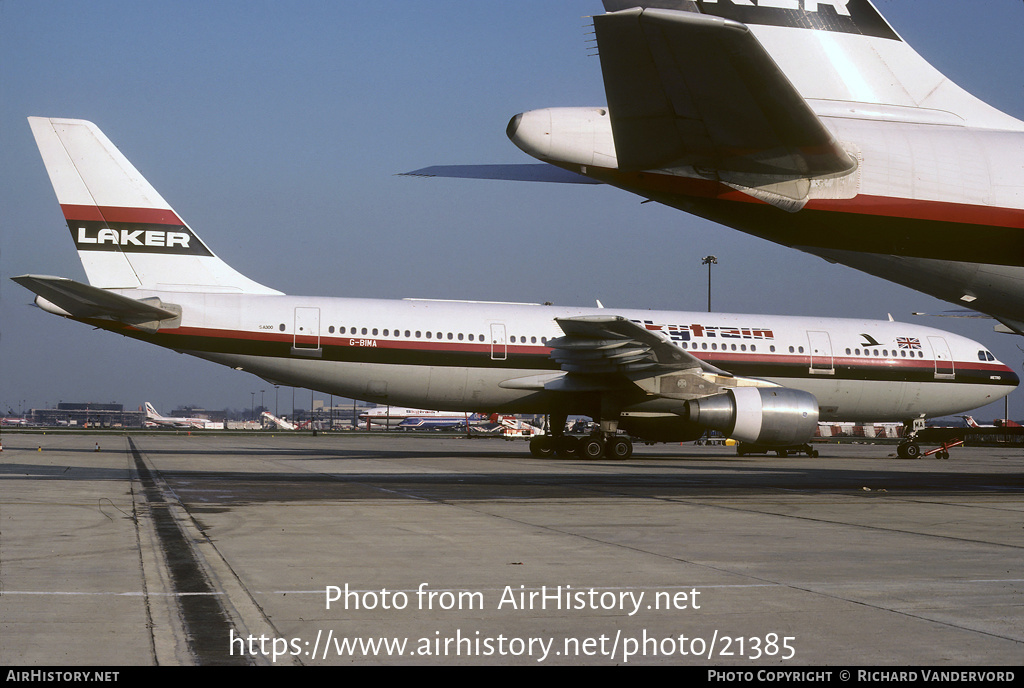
{"points": [[276, 128]]}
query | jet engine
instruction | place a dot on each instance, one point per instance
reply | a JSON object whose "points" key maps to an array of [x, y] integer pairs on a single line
{"points": [[767, 416]]}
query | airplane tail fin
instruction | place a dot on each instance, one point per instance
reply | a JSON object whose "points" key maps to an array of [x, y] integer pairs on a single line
{"points": [[971, 423], [842, 57], [150, 411], [127, 235]]}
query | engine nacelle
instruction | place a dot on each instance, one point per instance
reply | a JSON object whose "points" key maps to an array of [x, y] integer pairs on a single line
{"points": [[769, 416]]}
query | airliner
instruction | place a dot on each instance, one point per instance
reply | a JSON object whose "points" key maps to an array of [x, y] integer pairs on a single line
{"points": [[999, 423], [652, 375], [416, 419], [154, 419], [810, 124]]}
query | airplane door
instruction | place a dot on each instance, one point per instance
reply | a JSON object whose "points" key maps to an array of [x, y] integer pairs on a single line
{"points": [[943, 358], [499, 344], [307, 331], [821, 353]]}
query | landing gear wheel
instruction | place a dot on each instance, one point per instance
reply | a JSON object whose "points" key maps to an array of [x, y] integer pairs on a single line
{"points": [[542, 447], [620, 448], [566, 446], [908, 450], [591, 448]]}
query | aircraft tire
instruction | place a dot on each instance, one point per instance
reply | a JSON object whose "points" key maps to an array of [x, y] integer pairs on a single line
{"points": [[566, 446], [542, 447], [591, 448], [619, 448]]}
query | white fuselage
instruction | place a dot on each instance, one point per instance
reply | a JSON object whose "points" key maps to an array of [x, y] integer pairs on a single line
{"points": [[465, 356]]}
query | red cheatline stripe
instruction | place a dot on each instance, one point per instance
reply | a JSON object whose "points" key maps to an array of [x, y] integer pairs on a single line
{"points": [[859, 363], [877, 206], [93, 213], [937, 211]]}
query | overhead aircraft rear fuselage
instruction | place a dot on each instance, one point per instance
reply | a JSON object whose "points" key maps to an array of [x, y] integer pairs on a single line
{"points": [[813, 125], [953, 228]]}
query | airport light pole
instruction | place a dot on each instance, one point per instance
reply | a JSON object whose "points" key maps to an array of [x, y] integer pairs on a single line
{"points": [[709, 261]]}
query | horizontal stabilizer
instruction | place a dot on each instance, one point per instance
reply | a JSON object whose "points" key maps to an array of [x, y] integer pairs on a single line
{"points": [[514, 173], [694, 90], [83, 301]]}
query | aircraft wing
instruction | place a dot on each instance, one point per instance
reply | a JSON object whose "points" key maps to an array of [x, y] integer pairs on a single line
{"points": [[687, 89], [84, 301], [604, 353], [541, 172], [613, 344]]}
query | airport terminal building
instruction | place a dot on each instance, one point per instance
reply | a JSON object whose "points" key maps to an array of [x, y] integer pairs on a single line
{"points": [[88, 414]]}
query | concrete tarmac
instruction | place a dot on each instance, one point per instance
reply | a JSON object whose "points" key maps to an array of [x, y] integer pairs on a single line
{"points": [[177, 549]]}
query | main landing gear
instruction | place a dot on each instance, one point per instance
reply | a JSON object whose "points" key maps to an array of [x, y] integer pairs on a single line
{"points": [[590, 447]]}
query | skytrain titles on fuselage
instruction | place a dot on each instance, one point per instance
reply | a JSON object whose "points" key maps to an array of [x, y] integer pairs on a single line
{"points": [[684, 333]]}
